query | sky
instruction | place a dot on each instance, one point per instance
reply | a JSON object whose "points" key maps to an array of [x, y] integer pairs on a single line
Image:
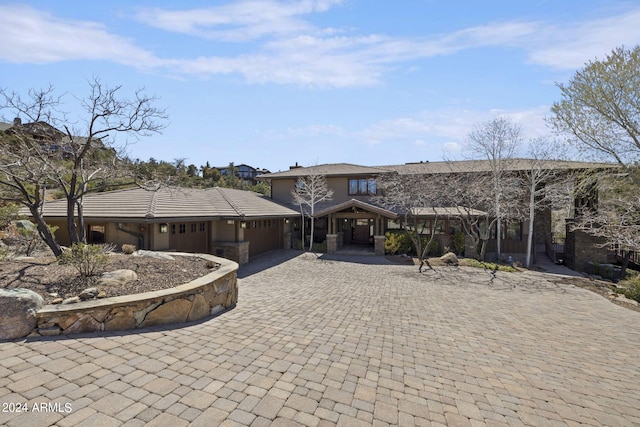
{"points": [[274, 83]]}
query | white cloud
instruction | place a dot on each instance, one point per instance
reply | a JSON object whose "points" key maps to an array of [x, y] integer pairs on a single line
{"points": [[238, 21], [31, 36], [572, 45], [287, 48]]}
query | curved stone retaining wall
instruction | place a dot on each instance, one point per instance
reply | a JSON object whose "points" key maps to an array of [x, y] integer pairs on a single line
{"points": [[203, 297]]}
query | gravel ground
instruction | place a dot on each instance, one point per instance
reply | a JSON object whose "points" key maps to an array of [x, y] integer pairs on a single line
{"points": [[42, 274]]}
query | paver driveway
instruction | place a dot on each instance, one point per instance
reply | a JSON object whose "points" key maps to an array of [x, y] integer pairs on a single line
{"points": [[350, 341]]}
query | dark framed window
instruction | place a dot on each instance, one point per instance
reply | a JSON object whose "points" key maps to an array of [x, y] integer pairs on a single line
{"points": [[202, 226], [182, 228], [173, 229], [193, 228], [513, 231], [363, 186]]}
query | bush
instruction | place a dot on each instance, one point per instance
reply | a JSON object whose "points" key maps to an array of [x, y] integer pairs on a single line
{"points": [[89, 260], [128, 249], [470, 262], [398, 242], [631, 287], [458, 242]]}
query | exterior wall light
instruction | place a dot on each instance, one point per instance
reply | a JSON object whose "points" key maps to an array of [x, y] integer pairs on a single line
{"points": [[243, 224], [163, 228]]}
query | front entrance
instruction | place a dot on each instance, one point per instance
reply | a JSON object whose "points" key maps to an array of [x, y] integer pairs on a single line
{"points": [[357, 231]]}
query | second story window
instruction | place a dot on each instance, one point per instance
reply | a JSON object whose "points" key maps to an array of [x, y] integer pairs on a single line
{"points": [[362, 186]]}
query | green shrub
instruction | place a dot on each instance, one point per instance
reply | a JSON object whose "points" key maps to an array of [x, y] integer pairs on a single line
{"points": [[319, 247], [398, 242], [631, 287], [89, 260], [458, 242], [470, 262]]}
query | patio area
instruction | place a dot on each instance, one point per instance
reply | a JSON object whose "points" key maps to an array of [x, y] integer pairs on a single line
{"points": [[347, 340]]}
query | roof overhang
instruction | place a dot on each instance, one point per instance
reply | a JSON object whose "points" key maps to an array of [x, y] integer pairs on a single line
{"points": [[354, 203]]}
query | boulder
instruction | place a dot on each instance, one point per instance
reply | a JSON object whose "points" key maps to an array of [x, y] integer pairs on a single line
{"points": [[25, 224], [449, 258], [18, 309], [88, 293], [152, 254], [72, 300], [118, 277]]}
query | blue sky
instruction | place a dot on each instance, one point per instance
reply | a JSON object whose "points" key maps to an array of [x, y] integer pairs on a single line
{"points": [[271, 83]]}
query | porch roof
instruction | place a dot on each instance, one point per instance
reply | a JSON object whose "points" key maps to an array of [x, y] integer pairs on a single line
{"points": [[445, 211], [354, 203]]}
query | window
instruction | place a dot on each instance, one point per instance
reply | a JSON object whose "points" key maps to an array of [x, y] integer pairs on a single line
{"points": [[514, 231], [202, 226], [173, 229], [362, 186], [182, 228], [193, 228]]}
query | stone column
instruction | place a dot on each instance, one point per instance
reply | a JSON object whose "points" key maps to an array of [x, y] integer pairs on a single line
{"points": [[378, 244], [332, 243]]}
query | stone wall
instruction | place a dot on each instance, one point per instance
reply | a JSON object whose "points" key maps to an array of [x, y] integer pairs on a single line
{"points": [[581, 248], [235, 251], [203, 297]]}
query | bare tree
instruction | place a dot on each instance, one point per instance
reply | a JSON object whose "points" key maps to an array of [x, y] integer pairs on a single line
{"points": [[309, 191], [599, 113], [496, 141], [616, 216], [544, 181], [87, 162], [468, 196], [600, 109], [415, 197], [24, 176]]}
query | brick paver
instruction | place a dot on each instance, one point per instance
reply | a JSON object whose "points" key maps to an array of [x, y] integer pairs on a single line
{"points": [[347, 341]]}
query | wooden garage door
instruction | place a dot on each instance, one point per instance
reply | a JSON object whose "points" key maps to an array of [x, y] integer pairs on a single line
{"points": [[264, 235], [189, 237]]}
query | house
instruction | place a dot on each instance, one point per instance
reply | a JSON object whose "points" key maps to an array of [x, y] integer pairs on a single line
{"points": [[248, 175], [353, 217], [234, 224]]}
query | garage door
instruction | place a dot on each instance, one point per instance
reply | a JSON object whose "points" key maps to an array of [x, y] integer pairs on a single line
{"points": [[189, 237], [264, 235]]}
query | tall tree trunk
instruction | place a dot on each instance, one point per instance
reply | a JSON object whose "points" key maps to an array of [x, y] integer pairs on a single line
{"points": [[71, 221], [45, 232], [532, 214]]}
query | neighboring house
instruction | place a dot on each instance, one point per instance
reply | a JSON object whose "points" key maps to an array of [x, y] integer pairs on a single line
{"points": [[235, 224], [353, 218], [248, 175]]}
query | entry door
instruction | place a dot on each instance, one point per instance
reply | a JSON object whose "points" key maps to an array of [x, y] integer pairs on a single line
{"points": [[362, 232]]}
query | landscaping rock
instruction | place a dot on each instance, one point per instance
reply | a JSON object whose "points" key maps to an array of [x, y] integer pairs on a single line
{"points": [[84, 323], [449, 258], [118, 277], [88, 293], [26, 225], [57, 300], [175, 311], [152, 254], [18, 309], [72, 300]]}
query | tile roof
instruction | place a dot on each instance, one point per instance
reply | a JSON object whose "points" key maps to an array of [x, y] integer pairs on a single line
{"points": [[465, 166], [458, 166], [327, 169], [165, 203]]}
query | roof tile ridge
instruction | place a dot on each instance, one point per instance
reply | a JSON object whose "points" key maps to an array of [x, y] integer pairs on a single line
{"points": [[231, 202], [151, 213]]}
